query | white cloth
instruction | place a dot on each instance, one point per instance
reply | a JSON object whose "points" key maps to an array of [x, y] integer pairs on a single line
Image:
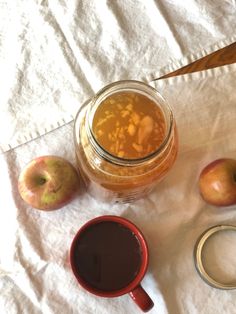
{"points": [[55, 54], [34, 268]]}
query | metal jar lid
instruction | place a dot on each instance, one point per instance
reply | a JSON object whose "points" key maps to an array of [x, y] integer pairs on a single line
{"points": [[198, 257]]}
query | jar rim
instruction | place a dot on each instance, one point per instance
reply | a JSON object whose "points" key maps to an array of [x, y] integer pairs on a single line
{"points": [[138, 87]]}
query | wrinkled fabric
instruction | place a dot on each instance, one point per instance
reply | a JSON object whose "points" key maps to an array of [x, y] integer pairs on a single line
{"points": [[35, 275], [53, 56], [56, 54]]}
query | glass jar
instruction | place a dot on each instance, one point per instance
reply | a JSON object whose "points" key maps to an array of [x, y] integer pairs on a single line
{"points": [[111, 178]]}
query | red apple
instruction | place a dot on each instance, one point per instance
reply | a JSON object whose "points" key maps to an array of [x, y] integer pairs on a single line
{"points": [[217, 182], [48, 182]]}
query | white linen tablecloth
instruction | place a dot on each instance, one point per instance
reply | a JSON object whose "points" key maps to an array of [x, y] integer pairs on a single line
{"points": [[34, 268], [53, 56]]}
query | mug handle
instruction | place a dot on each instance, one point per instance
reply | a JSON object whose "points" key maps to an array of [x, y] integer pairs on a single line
{"points": [[141, 298]]}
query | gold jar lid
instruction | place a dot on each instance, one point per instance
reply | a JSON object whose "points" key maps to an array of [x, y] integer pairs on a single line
{"points": [[199, 261]]}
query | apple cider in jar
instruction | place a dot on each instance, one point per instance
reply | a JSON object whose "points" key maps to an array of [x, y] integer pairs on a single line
{"points": [[125, 141]]}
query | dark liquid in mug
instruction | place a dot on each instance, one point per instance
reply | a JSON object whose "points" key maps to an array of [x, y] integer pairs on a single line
{"points": [[107, 256]]}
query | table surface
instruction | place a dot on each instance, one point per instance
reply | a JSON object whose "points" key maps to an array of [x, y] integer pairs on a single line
{"points": [[226, 55]]}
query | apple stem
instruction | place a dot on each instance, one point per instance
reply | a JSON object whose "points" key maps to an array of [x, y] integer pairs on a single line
{"points": [[42, 181]]}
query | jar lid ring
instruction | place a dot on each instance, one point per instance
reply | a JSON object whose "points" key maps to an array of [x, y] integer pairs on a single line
{"points": [[199, 261]]}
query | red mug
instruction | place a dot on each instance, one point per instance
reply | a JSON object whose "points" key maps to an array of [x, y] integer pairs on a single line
{"points": [[109, 258]]}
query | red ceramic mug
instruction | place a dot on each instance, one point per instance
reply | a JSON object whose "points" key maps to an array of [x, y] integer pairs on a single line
{"points": [[109, 258]]}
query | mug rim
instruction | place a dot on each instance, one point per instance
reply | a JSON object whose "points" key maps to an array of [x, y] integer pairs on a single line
{"points": [[144, 260]]}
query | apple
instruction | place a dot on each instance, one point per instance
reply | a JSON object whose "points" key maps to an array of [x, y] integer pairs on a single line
{"points": [[48, 182], [217, 182]]}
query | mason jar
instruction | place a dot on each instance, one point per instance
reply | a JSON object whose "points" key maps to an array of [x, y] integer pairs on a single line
{"points": [[109, 175]]}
